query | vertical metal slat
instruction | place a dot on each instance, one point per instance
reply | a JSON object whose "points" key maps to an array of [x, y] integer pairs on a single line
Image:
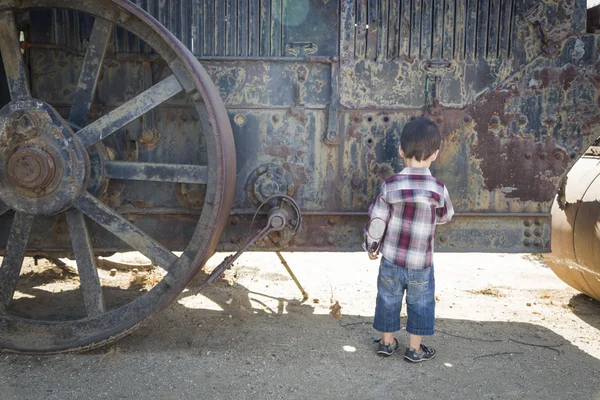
{"points": [[360, 51], [372, 21], [276, 27], [405, 28], [265, 28], [197, 40], [460, 11], [220, 31], [506, 22], [208, 27], [450, 29], [493, 29], [382, 30], [394, 29], [482, 28], [415, 29], [185, 18], [243, 28], [426, 28], [437, 38], [231, 23], [471, 28], [254, 28]]}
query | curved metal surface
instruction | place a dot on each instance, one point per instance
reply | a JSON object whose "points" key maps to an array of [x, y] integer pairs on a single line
{"points": [[575, 256], [99, 327]]}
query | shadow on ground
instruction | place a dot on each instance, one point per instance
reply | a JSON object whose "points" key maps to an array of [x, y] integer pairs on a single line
{"points": [[587, 309], [247, 349]]}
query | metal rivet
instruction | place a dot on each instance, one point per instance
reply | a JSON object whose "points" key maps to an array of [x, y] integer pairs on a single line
{"points": [[331, 221], [275, 118], [355, 182], [527, 222], [527, 242], [528, 156], [537, 242], [537, 232], [495, 121], [527, 233], [239, 120], [280, 170], [443, 239], [537, 223], [522, 120], [558, 155], [468, 119], [543, 156]]}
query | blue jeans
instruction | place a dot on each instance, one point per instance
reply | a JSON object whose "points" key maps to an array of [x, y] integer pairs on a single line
{"points": [[419, 285]]}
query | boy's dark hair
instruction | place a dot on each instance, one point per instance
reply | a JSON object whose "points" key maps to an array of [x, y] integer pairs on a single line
{"points": [[420, 138]]}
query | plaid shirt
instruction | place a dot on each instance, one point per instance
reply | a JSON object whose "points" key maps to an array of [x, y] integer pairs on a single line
{"points": [[411, 203]]}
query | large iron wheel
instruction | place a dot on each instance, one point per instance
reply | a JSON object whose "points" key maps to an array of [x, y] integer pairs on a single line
{"points": [[45, 169]]}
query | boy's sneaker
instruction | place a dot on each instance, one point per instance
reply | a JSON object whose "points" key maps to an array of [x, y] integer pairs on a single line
{"points": [[425, 354], [387, 350]]}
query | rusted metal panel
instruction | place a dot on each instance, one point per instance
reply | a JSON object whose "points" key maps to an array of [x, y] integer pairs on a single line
{"points": [[513, 118]]}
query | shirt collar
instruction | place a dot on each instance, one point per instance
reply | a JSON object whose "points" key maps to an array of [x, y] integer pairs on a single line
{"points": [[415, 171]]}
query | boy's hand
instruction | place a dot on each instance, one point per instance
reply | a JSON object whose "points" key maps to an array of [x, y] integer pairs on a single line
{"points": [[373, 256]]}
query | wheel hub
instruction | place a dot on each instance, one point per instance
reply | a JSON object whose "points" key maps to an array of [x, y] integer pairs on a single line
{"points": [[30, 168], [42, 165]]}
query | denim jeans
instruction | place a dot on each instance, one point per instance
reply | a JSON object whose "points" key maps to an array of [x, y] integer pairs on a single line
{"points": [[419, 285]]}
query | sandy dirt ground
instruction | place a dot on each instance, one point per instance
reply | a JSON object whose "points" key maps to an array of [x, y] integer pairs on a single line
{"points": [[507, 328]]}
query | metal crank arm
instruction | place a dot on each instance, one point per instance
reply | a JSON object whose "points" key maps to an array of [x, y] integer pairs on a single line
{"points": [[277, 221]]}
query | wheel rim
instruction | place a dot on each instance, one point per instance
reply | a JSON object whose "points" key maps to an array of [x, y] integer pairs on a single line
{"points": [[39, 179]]}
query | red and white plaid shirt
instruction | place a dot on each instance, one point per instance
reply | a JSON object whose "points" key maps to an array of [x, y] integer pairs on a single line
{"points": [[411, 203]]}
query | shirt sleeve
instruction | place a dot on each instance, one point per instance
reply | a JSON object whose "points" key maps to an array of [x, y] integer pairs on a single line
{"points": [[380, 210], [444, 214]]}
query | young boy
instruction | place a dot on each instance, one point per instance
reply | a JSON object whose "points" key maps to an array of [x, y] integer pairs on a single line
{"points": [[408, 206]]}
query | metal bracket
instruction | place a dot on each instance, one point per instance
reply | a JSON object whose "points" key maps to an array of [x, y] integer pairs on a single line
{"points": [[294, 48], [332, 136], [432, 100]]}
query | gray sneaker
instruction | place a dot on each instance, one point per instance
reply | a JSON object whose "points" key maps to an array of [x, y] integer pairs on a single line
{"points": [[387, 350], [415, 356]]}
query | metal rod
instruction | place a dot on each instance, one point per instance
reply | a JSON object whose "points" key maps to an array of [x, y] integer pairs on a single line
{"points": [[143, 211], [289, 270]]}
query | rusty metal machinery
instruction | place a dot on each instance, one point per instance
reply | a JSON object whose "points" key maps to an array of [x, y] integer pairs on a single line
{"points": [[575, 256], [117, 131]]}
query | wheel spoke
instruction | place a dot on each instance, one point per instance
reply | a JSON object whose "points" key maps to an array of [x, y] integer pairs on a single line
{"points": [[13, 257], [124, 230], [84, 254], [181, 173], [129, 111], [92, 64], [10, 47]]}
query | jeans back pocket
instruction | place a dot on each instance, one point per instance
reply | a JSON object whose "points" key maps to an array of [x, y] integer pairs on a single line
{"points": [[388, 278], [418, 282]]}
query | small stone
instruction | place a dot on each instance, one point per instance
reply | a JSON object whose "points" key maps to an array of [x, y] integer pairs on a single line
{"points": [[113, 272], [528, 304]]}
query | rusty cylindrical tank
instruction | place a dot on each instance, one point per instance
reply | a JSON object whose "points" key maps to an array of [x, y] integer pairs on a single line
{"points": [[575, 256]]}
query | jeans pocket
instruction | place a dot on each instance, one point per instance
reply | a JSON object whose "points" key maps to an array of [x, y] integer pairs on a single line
{"points": [[387, 277], [418, 283]]}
